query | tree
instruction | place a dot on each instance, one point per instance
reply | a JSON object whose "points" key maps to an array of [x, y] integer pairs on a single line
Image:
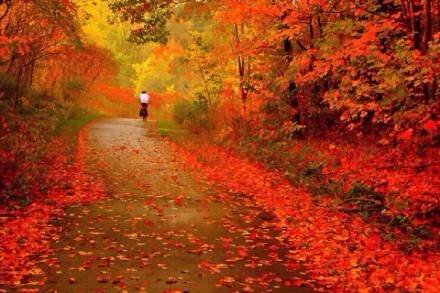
{"points": [[148, 18]]}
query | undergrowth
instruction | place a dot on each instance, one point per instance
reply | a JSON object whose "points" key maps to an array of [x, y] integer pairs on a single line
{"points": [[27, 126]]}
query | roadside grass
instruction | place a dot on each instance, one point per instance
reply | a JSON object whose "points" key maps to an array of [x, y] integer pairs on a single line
{"points": [[170, 129], [70, 126]]}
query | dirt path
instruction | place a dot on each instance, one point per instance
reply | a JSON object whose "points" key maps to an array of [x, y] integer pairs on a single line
{"points": [[160, 230]]}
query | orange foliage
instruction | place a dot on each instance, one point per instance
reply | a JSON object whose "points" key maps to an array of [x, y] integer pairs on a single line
{"points": [[171, 49], [116, 94], [159, 100]]}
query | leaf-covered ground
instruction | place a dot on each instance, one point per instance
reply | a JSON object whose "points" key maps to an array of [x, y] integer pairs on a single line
{"points": [[26, 233], [157, 230], [340, 251], [135, 213]]}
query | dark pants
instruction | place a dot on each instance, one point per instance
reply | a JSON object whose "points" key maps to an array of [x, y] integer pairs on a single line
{"points": [[144, 110]]}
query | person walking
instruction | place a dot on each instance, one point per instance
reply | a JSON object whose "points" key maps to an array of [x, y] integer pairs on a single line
{"points": [[144, 100]]}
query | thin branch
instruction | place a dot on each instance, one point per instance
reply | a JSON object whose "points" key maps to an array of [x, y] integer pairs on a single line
{"points": [[8, 8], [301, 45]]}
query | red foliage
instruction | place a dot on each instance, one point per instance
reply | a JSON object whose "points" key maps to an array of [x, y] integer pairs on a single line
{"points": [[26, 233], [117, 94], [338, 250], [410, 182]]}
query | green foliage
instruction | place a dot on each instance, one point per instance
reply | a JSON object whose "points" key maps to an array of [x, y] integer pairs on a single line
{"points": [[312, 169], [194, 115], [364, 198], [75, 120], [360, 189], [181, 111], [113, 36], [399, 221], [170, 129], [151, 19], [74, 85], [8, 86]]}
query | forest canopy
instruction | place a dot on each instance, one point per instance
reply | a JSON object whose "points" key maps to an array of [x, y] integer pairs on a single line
{"points": [[315, 64], [336, 102]]}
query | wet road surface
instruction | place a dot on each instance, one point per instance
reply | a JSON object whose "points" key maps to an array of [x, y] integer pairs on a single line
{"points": [[159, 230]]}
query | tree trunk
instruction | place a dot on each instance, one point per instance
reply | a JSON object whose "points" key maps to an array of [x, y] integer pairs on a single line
{"points": [[32, 72], [415, 24], [427, 25], [318, 19], [243, 76], [311, 31], [16, 96]]}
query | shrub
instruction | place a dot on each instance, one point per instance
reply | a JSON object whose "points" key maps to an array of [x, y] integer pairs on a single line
{"points": [[74, 85], [364, 198], [181, 111], [7, 86], [194, 115], [312, 169], [26, 126], [23, 142]]}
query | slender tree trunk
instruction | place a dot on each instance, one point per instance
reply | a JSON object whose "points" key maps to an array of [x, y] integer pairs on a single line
{"points": [[427, 25], [318, 19], [415, 24], [438, 11], [32, 72], [16, 96], [311, 31], [310, 22], [243, 77], [95, 77], [405, 16], [205, 83]]}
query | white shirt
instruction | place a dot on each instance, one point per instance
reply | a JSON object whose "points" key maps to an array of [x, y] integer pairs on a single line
{"points": [[145, 98]]}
